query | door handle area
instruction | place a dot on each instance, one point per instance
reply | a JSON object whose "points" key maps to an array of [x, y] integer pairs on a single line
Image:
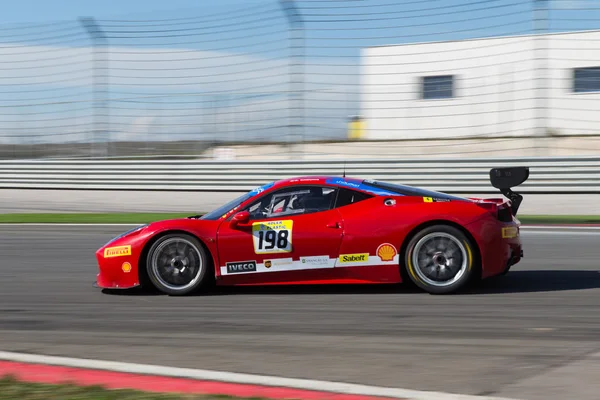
{"points": [[334, 225]]}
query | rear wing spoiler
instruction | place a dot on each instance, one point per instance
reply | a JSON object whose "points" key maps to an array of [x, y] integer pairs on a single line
{"points": [[507, 178]]}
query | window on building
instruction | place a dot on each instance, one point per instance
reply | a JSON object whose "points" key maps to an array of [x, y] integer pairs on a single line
{"points": [[586, 80], [438, 87]]}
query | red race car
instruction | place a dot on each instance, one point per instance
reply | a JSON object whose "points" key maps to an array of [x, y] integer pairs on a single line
{"points": [[315, 230]]}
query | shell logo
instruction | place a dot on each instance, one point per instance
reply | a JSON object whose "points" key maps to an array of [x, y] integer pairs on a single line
{"points": [[386, 252], [126, 267]]}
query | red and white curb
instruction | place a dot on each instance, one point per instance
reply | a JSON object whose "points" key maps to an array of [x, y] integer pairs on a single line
{"points": [[111, 374]]}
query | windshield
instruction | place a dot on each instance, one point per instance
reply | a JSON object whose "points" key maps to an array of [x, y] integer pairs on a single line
{"points": [[411, 191], [219, 212]]}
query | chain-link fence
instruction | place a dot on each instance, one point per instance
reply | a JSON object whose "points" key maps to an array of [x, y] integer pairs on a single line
{"points": [[439, 75]]}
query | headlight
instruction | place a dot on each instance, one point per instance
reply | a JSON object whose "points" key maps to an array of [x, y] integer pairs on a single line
{"points": [[139, 228]]}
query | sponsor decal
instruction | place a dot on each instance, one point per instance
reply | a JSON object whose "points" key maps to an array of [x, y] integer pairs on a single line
{"points": [[230, 212], [315, 260], [386, 252], [126, 267], [344, 182], [510, 232], [305, 180], [272, 236], [241, 266], [352, 258], [277, 262], [261, 189], [435, 200], [118, 251], [357, 184]]}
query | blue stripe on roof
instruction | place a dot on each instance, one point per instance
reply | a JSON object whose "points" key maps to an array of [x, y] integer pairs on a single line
{"points": [[358, 184]]}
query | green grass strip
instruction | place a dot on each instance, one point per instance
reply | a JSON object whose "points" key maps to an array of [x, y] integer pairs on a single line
{"points": [[89, 218], [11, 389], [135, 218], [559, 219]]}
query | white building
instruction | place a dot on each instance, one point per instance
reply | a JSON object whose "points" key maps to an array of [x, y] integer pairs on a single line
{"points": [[504, 86]]}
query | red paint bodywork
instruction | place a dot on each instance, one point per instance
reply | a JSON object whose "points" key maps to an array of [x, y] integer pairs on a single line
{"points": [[361, 228]]}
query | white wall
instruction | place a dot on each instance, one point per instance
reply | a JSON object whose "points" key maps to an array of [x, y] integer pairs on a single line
{"points": [[573, 113], [495, 87]]}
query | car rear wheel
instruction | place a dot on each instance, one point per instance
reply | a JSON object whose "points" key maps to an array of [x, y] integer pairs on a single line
{"points": [[177, 264], [439, 259]]}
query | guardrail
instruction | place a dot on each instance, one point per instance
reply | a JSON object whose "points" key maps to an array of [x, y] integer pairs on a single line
{"points": [[547, 175]]}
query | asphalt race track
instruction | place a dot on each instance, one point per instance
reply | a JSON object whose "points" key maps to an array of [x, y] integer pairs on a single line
{"points": [[534, 333]]}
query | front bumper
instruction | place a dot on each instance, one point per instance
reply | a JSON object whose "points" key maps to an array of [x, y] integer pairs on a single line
{"points": [[118, 263], [118, 272], [118, 260]]}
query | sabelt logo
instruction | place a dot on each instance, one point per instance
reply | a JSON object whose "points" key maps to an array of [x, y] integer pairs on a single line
{"points": [[242, 266], [119, 251], [351, 258]]}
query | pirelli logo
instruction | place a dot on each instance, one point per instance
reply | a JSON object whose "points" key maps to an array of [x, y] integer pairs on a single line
{"points": [[119, 251], [354, 258]]}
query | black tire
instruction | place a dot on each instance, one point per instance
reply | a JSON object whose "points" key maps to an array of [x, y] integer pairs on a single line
{"points": [[440, 259], [177, 264]]}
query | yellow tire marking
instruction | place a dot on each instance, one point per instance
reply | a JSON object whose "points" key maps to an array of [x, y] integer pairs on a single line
{"points": [[411, 270], [470, 255]]}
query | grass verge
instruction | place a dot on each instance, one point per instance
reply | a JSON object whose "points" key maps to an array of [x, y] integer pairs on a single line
{"points": [[11, 389], [559, 219], [88, 218], [134, 218]]}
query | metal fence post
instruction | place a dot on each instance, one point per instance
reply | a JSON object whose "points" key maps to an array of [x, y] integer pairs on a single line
{"points": [[101, 132], [296, 71], [540, 26]]}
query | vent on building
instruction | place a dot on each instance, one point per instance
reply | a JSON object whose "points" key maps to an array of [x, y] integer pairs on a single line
{"points": [[586, 80], [437, 87]]}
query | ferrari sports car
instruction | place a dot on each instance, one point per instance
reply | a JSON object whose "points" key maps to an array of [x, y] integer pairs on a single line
{"points": [[326, 230]]}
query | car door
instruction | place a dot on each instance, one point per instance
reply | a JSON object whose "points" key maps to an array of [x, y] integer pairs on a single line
{"points": [[293, 234]]}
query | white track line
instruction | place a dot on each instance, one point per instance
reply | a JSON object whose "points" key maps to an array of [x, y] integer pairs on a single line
{"points": [[231, 377]]}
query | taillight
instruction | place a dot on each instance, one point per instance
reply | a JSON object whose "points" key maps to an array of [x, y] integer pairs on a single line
{"points": [[498, 208], [491, 207]]}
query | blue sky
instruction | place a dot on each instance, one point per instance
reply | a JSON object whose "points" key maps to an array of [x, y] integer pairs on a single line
{"points": [[220, 68], [40, 11]]}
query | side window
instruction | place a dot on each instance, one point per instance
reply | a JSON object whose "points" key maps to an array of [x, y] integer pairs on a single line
{"points": [[347, 196], [293, 201]]}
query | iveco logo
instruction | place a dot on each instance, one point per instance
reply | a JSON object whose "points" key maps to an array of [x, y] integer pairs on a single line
{"points": [[243, 266]]}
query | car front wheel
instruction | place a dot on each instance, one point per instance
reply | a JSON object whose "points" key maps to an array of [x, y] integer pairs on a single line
{"points": [[177, 264]]}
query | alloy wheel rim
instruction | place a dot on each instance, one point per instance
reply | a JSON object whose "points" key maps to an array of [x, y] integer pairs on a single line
{"points": [[440, 259], [177, 264]]}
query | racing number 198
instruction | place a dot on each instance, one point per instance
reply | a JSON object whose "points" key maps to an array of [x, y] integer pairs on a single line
{"points": [[273, 238]]}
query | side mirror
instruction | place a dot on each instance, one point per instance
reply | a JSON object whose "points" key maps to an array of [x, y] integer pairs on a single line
{"points": [[241, 218]]}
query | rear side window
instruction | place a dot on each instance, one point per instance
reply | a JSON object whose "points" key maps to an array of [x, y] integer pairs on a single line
{"points": [[405, 190], [347, 196]]}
